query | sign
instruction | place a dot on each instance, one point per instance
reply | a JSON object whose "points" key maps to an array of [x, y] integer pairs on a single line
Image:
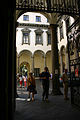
{"points": [[76, 72]]}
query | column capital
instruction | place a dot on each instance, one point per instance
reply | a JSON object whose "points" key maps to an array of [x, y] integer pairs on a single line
{"points": [[32, 56], [54, 26]]}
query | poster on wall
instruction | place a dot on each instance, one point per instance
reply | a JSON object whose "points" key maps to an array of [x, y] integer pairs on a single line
{"points": [[76, 72]]}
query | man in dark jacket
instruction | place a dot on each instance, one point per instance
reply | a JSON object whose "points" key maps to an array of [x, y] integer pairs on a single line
{"points": [[45, 82]]}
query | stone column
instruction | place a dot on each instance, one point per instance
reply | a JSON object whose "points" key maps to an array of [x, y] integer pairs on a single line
{"points": [[32, 63], [44, 61], [55, 60], [8, 60], [18, 63], [61, 64]]}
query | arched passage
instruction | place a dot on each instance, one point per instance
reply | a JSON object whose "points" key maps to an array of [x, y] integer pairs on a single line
{"points": [[8, 57], [39, 62], [24, 58]]}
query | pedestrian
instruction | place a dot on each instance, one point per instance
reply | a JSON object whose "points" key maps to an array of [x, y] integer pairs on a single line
{"points": [[51, 75], [31, 86], [65, 84], [45, 83], [20, 77], [24, 77]]}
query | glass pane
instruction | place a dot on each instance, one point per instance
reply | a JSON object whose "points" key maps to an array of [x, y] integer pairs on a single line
{"points": [[26, 18], [49, 39], [25, 38], [38, 39], [38, 19]]}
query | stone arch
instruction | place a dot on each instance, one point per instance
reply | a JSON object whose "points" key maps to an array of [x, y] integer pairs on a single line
{"points": [[25, 51], [39, 51], [25, 57], [49, 16], [39, 60]]}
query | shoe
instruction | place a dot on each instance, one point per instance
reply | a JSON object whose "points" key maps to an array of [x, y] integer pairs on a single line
{"points": [[28, 100]]}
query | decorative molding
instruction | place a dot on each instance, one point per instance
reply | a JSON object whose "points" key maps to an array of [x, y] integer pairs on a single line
{"points": [[26, 30], [39, 31], [33, 25]]}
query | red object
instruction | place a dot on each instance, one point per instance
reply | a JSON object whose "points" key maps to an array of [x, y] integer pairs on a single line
{"points": [[76, 72], [25, 81]]}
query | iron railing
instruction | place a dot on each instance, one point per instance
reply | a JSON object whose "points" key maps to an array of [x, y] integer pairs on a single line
{"points": [[58, 6]]}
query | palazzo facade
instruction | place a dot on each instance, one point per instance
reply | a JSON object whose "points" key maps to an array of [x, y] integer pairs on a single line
{"points": [[33, 43]]}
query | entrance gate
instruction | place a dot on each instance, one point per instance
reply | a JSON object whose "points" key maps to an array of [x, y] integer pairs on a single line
{"points": [[74, 64], [68, 7]]}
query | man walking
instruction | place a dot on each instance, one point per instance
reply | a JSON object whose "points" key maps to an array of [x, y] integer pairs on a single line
{"points": [[45, 82]]}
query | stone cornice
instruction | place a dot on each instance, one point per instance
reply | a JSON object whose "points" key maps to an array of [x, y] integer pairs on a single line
{"points": [[32, 25]]}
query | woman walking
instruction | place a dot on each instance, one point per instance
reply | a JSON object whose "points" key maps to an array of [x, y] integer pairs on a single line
{"points": [[31, 86]]}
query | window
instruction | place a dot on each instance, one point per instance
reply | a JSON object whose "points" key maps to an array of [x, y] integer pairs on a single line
{"points": [[48, 38], [67, 24], [36, 72], [25, 38], [38, 38], [61, 32], [38, 19], [26, 17], [47, 20]]}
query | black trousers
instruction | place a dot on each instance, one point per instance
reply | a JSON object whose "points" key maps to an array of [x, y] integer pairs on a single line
{"points": [[45, 91]]}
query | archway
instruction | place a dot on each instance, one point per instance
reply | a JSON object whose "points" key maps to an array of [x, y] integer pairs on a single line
{"points": [[24, 61], [39, 62], [8, 58]]}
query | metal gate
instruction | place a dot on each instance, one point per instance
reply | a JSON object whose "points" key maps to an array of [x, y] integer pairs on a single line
{"points": [[71, 7], [74, 61]]}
